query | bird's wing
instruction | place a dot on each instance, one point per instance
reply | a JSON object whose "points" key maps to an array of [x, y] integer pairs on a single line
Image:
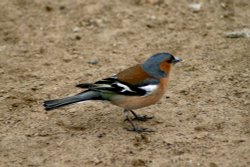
{"points": [[114, 86], [132, 81]]}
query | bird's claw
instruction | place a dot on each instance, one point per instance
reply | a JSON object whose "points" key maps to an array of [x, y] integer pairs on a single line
{"points": [[126, 119], [139, 130], [142, 118]]}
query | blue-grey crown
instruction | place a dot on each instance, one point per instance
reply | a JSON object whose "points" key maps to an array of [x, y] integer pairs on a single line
{"points": [[152, 65]]}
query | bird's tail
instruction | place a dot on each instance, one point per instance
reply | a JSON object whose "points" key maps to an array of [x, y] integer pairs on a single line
{"points": [[57, 103]]}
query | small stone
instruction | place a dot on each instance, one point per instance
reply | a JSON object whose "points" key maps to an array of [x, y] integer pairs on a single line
{"points": [[171, 26], [15, 105], [152, 17], [76, 29], [138, 162], [96, 161], [34, 88], [223, 5], [184, 92], [62, 7], [66, 60], [245, 33], [196, 7], [209, 26], [101, 135], [77, 37], [48, 8], [93, 62]]}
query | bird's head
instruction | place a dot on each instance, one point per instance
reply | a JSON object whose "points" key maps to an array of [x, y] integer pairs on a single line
{"points": [[159, 65]]}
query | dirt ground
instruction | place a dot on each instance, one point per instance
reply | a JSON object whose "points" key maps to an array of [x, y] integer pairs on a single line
{"points": [[47, 47]]}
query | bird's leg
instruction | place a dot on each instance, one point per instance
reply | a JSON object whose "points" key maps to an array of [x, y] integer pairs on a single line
{"points": [[134, 127], [139, 117]]}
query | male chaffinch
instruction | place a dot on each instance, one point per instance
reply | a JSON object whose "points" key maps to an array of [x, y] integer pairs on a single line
{"points": [[136, 87]]}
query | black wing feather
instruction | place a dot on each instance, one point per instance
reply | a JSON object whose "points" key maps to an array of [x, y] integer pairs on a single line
{"points": [[113, 85]]}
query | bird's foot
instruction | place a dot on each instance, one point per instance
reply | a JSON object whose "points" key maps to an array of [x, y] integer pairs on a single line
{"points": [[142, 117], [137, 117], [139, 130]]}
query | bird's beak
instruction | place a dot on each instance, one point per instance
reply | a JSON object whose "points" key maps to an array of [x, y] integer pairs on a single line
{"points": [[176, 60]]}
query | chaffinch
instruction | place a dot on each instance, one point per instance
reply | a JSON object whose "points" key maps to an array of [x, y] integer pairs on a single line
{"points": [[136, 87]]}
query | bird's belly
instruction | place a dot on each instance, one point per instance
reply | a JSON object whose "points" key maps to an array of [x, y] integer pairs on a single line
{"points": [[135, 102]]}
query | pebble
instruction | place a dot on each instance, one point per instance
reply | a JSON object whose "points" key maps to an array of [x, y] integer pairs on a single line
{"points": [[77, 37], [196, 7], [244, 33], [48, 8], [76, 29], [93, 62]]}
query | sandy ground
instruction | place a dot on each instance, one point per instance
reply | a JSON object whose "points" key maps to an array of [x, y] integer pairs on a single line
{"points": [[46, 47]]}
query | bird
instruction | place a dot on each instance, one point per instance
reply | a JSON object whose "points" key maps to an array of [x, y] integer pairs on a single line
{"points": [[136, 87]]}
